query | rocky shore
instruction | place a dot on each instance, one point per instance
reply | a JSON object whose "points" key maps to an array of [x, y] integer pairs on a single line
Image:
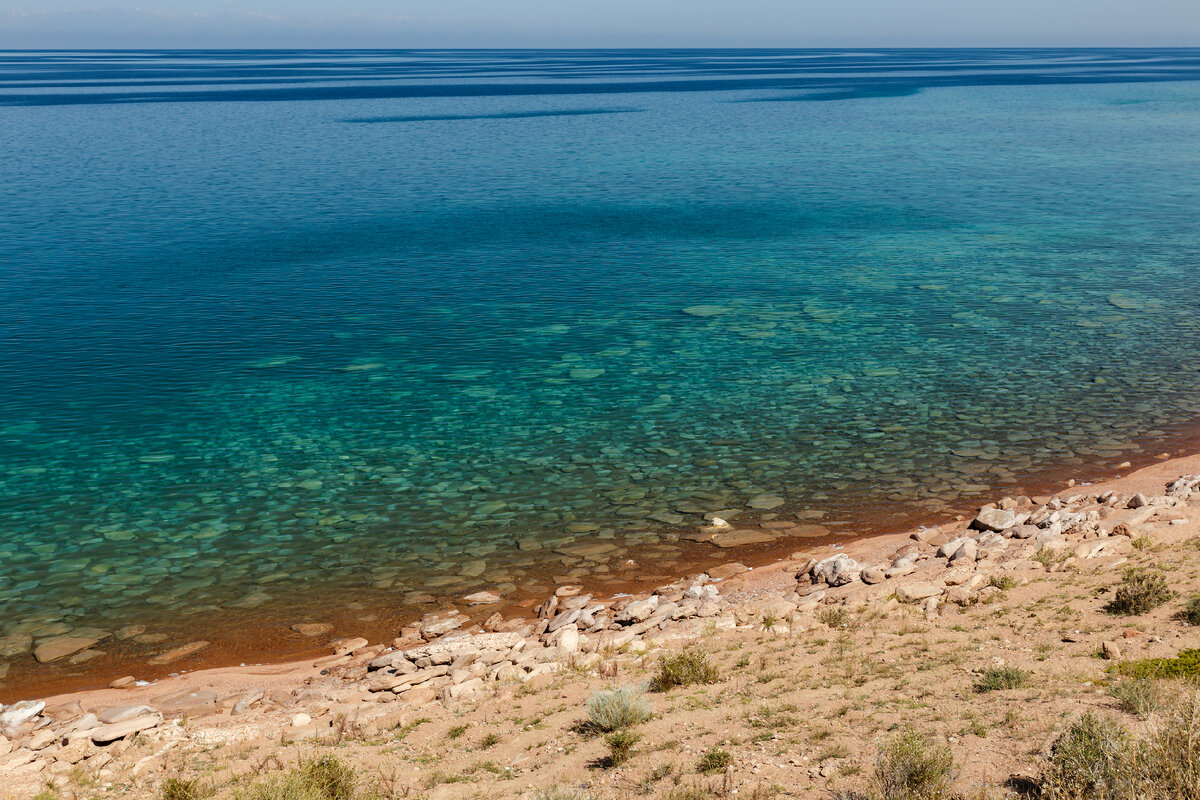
{"points": [[131, 735]]}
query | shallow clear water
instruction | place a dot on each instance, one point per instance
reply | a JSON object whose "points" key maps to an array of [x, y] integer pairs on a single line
{"points": [[275, 324]]}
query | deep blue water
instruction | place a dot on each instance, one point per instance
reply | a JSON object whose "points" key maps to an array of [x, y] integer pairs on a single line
{"points": [[274, 324]]}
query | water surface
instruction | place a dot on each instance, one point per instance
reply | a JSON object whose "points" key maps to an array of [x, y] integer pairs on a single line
{"points": [[282, 329]]}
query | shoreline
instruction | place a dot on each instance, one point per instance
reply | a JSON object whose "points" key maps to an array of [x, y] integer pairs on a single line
{"points": [[239, 642], [921, 579]]}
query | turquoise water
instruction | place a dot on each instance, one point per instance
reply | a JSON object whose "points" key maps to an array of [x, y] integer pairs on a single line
{"points": [[280, 329]]}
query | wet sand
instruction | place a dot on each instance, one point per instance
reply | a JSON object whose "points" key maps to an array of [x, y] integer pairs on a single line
{"points": [[262, 638]]}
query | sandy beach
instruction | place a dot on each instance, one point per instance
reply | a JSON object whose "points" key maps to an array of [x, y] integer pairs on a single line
{"points": [[873, 627]]}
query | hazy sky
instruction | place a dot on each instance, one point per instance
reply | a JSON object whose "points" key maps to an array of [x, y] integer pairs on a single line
{"points": [[596, 23]]}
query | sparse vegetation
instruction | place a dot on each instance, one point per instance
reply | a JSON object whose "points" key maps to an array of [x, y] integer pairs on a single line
{"points": [[324, 778], [614, 709], [179, 789], [1191, 611], [1138, 696], [913, 767], [1002, 582], [1184, 665], [686, 668], [834, 617], [997, 678], [1141, 591], [1088, 760], [1099, 758], [714, 760], [620, 746]]}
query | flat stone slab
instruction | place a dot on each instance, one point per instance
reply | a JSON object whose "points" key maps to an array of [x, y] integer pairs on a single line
{"points": [[807, 531], [61, 647], [912, 592], [462, 644], [186, 700], [727, 570], [737, 538], [111, 733], [587, 549], [765, 502], [111, 716], [176, 653]]}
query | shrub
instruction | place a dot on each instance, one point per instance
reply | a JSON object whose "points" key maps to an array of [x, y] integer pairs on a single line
{"points": [[324, 778], [1191, 612], [912, 767], [562, 793], [614, 709], [1002, 582], [1090, 759], [456, 731], [714, 760], [835, 618], [1141, 591], [995, 678], [688, 667], [620, 747], [1137, 696], [1184, 665], [1099, 758], [179, 789]]}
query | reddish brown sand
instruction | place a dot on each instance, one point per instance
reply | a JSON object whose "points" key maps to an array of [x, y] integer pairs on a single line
{"points": [[263, 636]]}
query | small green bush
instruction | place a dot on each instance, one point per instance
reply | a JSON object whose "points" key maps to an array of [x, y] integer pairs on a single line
{"points": [[1002, 582], [912, 767], [179, 789], [1141, 591], [324, 778], [1191, 612], [620, 747], [1138, 696], [714, 760], [1098, 758], [562, 793], [1090, 759], [996, 678], [689, 666], [834, 617], [1184, 665], [613, 709]]}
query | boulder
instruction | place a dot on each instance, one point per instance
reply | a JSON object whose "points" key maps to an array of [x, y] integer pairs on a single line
{"points": [[836, 570], [311, 629], [900, 567], [638, 611], [20, 712], [965, 554], [873, 575], [994, 519]]}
